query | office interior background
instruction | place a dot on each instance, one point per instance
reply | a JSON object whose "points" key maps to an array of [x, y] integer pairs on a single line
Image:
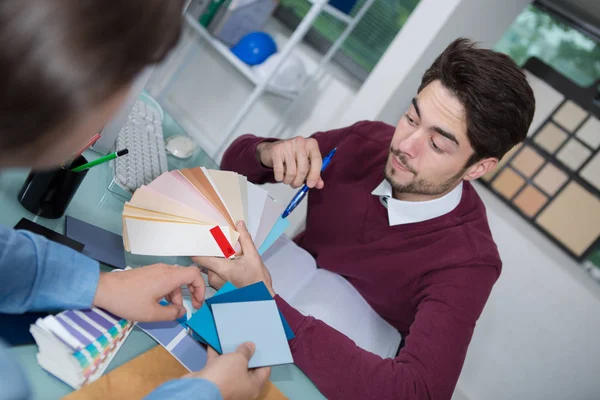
{"points": [[538, 335]]}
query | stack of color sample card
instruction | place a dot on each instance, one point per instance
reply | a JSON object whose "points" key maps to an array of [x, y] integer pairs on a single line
{"points": [[234, 316], [192, 212], [77, 346]]}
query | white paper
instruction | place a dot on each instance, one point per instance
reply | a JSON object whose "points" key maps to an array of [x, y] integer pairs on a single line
{"points": [[172, 239], [329, 297]]}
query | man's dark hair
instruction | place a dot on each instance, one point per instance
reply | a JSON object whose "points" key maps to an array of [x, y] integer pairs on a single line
{"points": [[494, 92], [59, 58]]}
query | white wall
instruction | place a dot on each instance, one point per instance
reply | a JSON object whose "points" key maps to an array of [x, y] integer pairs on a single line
{"points": [[538, 337]]}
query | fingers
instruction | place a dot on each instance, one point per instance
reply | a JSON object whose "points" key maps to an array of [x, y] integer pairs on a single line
{"points": [[303, 167], [215, 280], [175, 297], [245, 239], [178, 276], [320, 184], [166, 313], [197, 293], [278, 168], [246, 349], [214, 264], [290, 164], [316, 162]]}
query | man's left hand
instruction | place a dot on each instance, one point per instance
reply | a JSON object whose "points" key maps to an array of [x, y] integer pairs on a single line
{"points": [[242, 271]]}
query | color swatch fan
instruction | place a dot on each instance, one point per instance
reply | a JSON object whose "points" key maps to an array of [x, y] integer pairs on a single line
{"points": [[192, 212], [78, 346]]}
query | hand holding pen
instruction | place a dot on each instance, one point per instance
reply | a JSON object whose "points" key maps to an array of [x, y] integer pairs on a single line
{"points": [[302, 192], [294, 161]]}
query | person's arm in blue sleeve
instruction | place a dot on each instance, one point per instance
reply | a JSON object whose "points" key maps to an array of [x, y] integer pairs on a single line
{"points": [[38, 274], [186, 389]]}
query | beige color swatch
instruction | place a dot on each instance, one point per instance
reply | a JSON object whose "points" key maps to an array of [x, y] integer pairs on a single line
{"points": [[550, 179], [508, 183], [135, 379], [243, 182], [573, 154], [573, 218], [488, 177], [550, 137], [228, 185], [589, 133], [528, 161], [570, 116], [530, 200], [155, 201], [591, 172], [199, 180], [140, 213], [546, 100]]}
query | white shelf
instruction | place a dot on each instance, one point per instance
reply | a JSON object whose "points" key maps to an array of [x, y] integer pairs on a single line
{"points": [[232, 58], [334, 12]]}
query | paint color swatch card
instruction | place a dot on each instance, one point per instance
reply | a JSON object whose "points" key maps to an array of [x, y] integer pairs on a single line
{"points": [[192, 212], [233, 316], [78, 346], [257, 322], [176, 339]]}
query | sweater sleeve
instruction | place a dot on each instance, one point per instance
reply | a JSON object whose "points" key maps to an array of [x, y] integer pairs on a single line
{"points": [[448, 304], [240, 156]]}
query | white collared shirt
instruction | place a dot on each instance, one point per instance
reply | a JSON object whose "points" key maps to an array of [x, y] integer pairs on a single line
{"points": [[407, 212]]}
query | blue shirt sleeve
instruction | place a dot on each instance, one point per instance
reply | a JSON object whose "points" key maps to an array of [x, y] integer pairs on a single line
{"points": [[38, 274], [186, 389]]}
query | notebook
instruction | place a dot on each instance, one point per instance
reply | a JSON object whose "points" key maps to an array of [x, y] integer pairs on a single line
{"points": [[192, 212], [329, 297], [77, 346]]}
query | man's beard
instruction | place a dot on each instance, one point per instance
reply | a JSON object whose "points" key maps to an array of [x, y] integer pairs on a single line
{"points": [[419, 186]]}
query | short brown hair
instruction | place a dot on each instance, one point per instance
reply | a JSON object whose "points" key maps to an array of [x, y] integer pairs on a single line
{"points": [[498, 101], [62, 57]]}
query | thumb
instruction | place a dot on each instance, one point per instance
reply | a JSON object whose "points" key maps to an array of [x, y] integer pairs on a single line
{"points": [[247, 350], [246, 242], [167, 313]]}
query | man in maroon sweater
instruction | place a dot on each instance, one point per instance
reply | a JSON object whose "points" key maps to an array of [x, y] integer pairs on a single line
{"points": [[399, 220]]}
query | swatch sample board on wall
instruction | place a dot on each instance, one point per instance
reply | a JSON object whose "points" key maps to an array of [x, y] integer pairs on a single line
{"points": [[553, 178]]}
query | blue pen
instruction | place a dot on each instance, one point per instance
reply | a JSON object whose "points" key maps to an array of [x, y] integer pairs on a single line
{"points": [[302, 192]]}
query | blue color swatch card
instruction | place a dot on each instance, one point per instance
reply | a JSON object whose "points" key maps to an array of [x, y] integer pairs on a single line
{"points": [[264, 327], [203, 323], [100, 244], [255, 292], [257, 322], [276, 231]]}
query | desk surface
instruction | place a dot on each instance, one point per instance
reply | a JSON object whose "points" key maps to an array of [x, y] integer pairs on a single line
{"points": [[95, 204]]}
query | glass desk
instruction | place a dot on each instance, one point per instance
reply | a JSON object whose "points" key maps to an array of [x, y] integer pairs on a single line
{"points": [[95, 204]]}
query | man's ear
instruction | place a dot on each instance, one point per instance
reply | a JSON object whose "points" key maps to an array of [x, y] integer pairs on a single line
{"points": [[480, 168]]}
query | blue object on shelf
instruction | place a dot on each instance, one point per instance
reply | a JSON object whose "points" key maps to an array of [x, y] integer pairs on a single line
{"points": [[344, 6], [255, 48]]}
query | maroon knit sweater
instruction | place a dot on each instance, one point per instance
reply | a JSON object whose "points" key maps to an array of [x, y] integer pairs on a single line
{"points": [[429, 279]]}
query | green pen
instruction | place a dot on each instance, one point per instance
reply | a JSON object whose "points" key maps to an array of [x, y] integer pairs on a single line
{"points": [[101, 160]]}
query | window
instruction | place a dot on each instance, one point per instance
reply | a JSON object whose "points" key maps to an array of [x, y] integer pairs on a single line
{"points": [[545, 36], [366, 44]]}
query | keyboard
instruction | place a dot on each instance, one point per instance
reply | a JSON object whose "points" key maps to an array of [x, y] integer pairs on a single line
{"points": [[142, 135]]}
